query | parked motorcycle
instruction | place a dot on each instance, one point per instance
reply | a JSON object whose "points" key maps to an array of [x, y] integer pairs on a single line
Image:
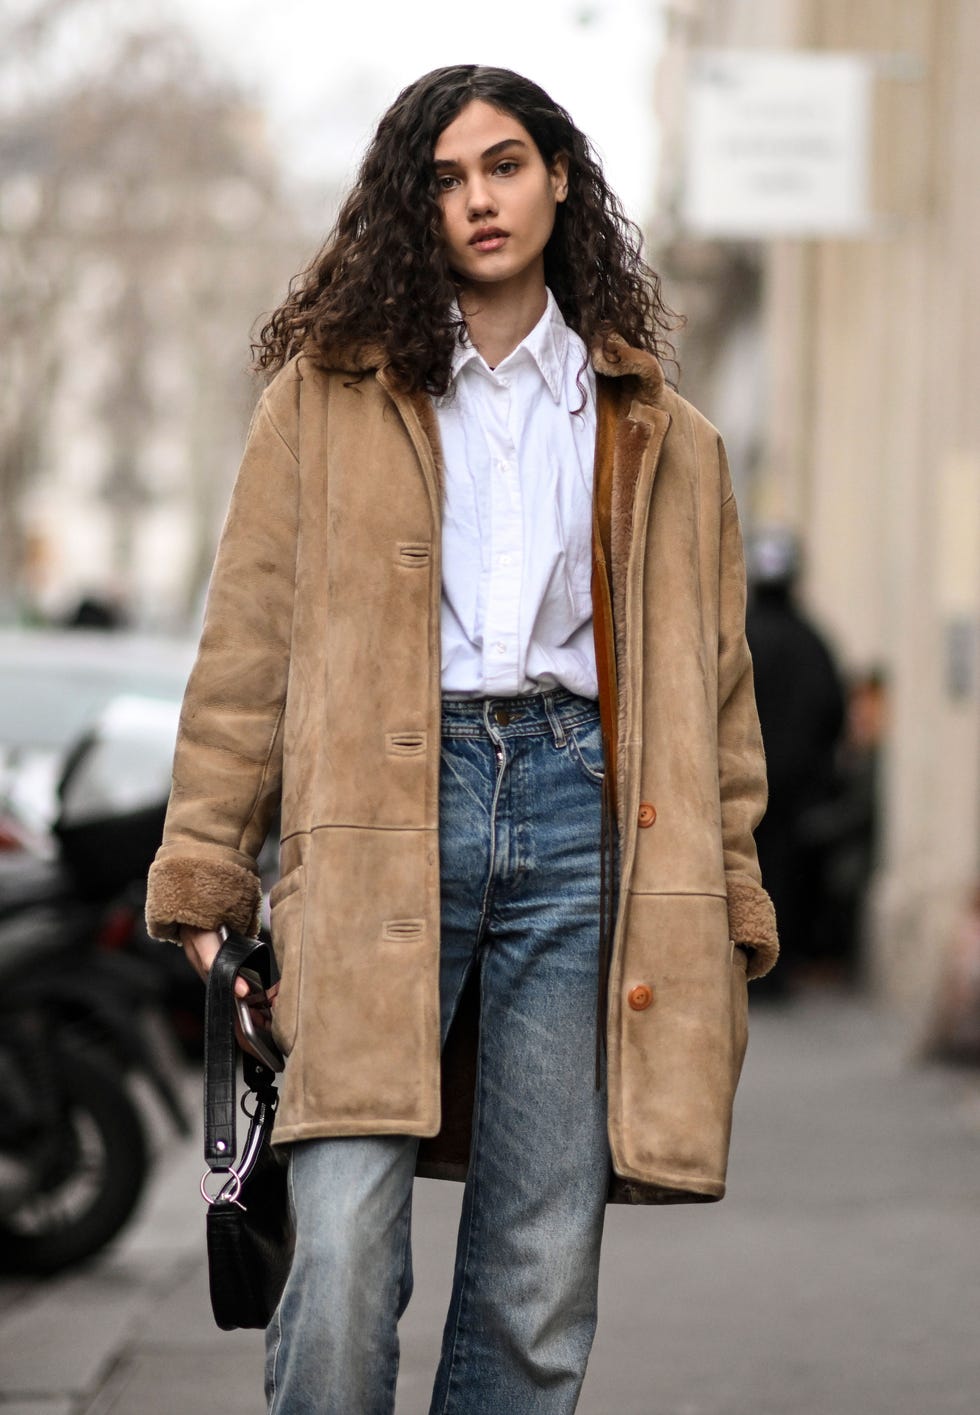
{"points": [[76, 1008]]}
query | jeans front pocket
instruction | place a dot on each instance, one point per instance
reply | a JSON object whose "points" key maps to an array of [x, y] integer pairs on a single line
{"points": [[585, 745]]}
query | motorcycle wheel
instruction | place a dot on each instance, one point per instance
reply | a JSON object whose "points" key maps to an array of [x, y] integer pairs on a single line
{"points": [[91, 1181]]}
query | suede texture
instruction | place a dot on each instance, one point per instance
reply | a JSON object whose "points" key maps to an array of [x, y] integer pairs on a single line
{"points": [[317, 688]]}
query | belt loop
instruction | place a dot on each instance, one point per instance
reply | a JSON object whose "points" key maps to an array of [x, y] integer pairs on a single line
{"points": [[554, 721], [487, 724]]}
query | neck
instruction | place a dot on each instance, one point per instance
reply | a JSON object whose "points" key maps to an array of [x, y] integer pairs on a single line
{"points": [[498, 317]]}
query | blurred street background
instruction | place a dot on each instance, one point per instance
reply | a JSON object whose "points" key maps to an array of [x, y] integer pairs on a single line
{"points": [[807, 175]]}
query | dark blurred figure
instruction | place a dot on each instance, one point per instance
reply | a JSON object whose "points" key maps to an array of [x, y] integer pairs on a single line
{"points": [[802, 713], [845, 833], [95, 612]]}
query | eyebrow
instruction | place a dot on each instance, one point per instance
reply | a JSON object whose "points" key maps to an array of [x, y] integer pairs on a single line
{"points": [[493, 151]]}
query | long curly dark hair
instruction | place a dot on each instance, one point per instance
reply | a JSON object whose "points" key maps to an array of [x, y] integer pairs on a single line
{"points": [[382, 277]]}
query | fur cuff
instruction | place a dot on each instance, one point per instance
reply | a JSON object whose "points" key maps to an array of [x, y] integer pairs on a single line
{"points": [[203, 893], [752, 922]]}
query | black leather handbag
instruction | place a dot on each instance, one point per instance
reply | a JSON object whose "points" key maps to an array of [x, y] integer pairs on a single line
{"points": [[250, 1232]]}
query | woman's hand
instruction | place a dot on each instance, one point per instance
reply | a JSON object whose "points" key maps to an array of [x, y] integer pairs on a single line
{"points": [[201, 947]]}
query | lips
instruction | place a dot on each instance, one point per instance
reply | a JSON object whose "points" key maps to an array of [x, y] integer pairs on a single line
{"points": [[488, 238]]}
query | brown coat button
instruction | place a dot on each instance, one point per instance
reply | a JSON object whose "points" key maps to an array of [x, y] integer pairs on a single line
{"points": [[647, 814], [640, 997]]}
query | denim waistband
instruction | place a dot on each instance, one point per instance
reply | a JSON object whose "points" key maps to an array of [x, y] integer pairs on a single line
{"points": [[556, 712]]}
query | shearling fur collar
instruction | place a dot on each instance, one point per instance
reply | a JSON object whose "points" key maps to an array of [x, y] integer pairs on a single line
{"points": [[615, 358], [611, 356]]}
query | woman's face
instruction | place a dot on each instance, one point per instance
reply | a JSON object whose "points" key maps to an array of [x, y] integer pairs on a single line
{"points": [[498, 197]]}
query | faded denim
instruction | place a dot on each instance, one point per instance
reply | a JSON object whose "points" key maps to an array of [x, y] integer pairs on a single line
{"points": [[520, 801]]}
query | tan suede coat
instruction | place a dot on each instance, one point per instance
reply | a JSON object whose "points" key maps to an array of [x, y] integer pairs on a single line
{"points": [[317, 685]]}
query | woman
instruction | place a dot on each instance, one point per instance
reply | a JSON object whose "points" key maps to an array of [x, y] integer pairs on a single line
{"points": [[476, 626]]}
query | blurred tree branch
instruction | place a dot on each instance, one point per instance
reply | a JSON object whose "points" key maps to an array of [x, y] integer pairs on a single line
{"points": [[143, 219]]}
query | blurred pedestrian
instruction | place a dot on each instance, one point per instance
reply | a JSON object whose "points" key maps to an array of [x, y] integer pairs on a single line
{"points": [[801, 706], [846, 833], [477, 621], [96, 612]]}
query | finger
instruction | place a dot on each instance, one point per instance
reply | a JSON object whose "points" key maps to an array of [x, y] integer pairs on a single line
{"points": [[196, 961], [201, 947]]}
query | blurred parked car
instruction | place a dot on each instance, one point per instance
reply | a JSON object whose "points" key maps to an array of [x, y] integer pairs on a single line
{"points": [[55, 686]]}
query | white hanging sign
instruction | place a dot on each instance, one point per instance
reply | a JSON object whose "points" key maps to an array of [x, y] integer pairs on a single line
{"points": [[778, 143]]}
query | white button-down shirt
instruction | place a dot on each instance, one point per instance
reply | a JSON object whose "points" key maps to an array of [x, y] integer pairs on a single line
{"points": [[517, 520]]}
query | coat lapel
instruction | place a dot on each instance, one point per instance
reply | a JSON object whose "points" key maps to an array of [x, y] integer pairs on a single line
{"points": [[418, 415], [630, 435]]}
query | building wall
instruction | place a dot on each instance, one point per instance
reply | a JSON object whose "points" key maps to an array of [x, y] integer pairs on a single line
{"points": [[870, 437]]}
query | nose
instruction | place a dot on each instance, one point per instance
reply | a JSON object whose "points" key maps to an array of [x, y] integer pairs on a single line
{"points": [[479, 200]]}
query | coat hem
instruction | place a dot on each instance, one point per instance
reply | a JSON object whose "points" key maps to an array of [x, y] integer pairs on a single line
{"points": [[324, 1130], [665, 1187]]}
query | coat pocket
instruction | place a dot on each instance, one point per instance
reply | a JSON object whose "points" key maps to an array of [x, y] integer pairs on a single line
{"points": [[287, 906], [672, 1077]]}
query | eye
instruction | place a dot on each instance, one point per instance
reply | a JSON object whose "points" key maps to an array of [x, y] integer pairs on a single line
{"points": [[446, 183], [506, 167]]}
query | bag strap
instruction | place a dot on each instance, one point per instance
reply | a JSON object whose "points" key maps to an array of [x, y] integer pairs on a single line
{"points": [[237, 952]]}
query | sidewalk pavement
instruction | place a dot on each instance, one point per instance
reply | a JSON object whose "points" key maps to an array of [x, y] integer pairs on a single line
{"points": [[841, 1275]]}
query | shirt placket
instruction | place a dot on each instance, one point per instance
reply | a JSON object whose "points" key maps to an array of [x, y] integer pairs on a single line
{"points": [[501, 643]]}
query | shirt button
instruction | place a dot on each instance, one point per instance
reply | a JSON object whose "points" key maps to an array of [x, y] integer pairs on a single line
{"points": [[503, 559], [647, 814], [640, 997], [499, 649]]}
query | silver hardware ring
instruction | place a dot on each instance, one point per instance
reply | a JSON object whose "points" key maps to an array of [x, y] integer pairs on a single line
{"points": [[233, 1185]]}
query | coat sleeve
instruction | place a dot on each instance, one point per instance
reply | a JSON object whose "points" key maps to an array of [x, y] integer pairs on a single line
{"points": [[228, 762], [741, 760]]}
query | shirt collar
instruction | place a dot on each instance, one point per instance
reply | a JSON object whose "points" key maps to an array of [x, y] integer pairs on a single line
{"points": [[546, 344]]}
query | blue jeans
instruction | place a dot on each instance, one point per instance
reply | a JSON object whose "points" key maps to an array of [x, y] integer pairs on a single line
{"points": [[520, 799]]}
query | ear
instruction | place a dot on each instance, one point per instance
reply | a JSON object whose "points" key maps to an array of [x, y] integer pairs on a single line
{"points": [[558, 171]]}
